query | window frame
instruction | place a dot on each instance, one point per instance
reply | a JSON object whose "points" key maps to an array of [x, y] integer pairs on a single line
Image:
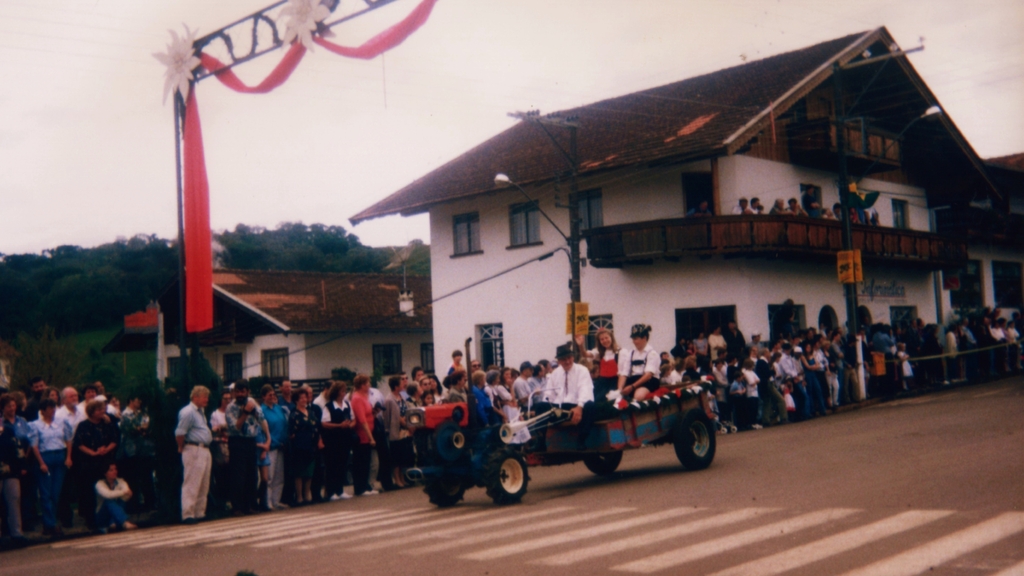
{"points": [[595, 323], [470, 223], [969, 297], [587, 209], [529, 212], [268, 358], [492, 343], [382, 362], [228, 378], [1000, 284], [427, 357], [900, 214]]}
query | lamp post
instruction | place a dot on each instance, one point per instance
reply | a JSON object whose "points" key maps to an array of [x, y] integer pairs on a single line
{"points": [[571, 157], [572, 240]]}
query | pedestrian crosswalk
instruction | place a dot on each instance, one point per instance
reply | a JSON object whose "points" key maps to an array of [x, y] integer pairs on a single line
{"points": [[751, 541]]}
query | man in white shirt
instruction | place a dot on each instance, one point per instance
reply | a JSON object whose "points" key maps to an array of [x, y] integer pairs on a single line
{"points": [[570, 388], [70, 411], [742, 208]]}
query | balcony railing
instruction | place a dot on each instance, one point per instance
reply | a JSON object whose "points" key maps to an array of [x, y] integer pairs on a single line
{"points": [[766, 236], [814, 143]]}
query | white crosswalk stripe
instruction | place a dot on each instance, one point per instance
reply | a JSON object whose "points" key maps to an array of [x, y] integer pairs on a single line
{"points": [[650, 538], [574, 535], [298, 532], [503, 519], [393, 518], [439, 518], [284, 525], [942, 550], [140, 535], [674, 558], [833, 545], [532, 528]]}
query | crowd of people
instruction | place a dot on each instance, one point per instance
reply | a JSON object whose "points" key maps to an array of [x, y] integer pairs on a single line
{"points": [[57, 450], [808, 206], [268, 449]]}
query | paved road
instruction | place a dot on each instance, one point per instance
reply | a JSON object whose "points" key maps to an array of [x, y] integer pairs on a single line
{"points": [[933, 483]]}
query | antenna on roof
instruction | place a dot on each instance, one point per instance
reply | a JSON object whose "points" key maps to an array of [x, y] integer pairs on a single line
{"points": [[399, 258]]}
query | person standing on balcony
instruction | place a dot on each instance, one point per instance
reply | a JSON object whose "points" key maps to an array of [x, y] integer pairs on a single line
{"points": [[701, 211], [756, 206], [779, 209], [742, 208]]}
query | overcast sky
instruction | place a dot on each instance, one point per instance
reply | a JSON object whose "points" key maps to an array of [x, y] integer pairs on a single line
{"points": [[87, 144]]}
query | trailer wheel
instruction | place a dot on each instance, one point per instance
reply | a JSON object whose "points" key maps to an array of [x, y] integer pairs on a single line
{"points": [[445, 491], [603, 463], [694, 440], [505, 477]]}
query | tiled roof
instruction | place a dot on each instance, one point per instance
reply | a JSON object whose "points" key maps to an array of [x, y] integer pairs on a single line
{"points": [[322, 302], [689, 118], [1013, 161]]}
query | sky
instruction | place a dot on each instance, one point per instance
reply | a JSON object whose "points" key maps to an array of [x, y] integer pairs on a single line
{"points": [[87, 142]]}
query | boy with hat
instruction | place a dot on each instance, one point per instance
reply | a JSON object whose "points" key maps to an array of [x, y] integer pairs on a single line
{"points": [[570, 388]]}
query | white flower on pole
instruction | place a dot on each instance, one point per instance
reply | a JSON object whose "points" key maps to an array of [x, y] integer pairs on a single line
{"points": [[303, 16], [180, 60]]}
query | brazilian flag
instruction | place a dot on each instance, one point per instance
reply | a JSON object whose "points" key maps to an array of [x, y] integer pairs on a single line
{"points": [[861, 200]]}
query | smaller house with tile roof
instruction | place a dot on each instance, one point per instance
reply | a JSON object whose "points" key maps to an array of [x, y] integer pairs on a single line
{"points": [[766, 129], [301, 325]]}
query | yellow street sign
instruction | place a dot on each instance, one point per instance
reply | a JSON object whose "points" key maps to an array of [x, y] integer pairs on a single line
{"points": [[848, 266], [577, 318]]}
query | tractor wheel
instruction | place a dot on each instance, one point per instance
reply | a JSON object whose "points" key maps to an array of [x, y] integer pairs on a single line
{"points": [[449, 441], [505, 477], [603, 463], [694, 439], [445, 492]]}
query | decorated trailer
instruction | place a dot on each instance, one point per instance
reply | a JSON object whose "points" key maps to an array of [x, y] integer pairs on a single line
{"points": [[457, 452]]}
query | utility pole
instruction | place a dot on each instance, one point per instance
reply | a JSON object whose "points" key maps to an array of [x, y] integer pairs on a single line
{"points": [[844, 194], [183, 367]]}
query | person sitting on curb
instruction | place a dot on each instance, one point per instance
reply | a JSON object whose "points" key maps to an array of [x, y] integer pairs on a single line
{"points": [[111, 494]]}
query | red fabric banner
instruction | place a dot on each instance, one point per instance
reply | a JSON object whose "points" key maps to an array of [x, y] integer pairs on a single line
{"points": [[387, 39], [276, 77], [198, 251]]}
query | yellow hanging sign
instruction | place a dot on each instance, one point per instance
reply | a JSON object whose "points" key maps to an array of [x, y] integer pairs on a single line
{"points": [[849, 267], [577, 318]]}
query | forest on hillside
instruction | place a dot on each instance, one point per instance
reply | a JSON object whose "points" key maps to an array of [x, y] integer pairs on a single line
{"points": [[71, 289]]}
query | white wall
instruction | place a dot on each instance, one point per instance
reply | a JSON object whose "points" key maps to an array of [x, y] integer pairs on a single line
{"points": [[355, 351], [252, 357], [747, 177]]}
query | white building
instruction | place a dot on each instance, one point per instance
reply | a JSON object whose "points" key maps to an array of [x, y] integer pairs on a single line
{"points": [[302, 325], [765, 129]]}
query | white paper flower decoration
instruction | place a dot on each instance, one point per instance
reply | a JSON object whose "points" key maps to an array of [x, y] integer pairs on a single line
{"points": [[303, 16], [180, 60]]}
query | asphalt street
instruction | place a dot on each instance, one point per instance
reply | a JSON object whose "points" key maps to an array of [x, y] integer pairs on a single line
{"points": [[933, 484]]}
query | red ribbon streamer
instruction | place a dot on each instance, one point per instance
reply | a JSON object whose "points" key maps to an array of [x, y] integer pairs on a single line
{"points": [[280, 73], [198, 252], [387, 39]]}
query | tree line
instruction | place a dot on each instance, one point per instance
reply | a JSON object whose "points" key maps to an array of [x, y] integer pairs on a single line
{"points": [[71, 289]]}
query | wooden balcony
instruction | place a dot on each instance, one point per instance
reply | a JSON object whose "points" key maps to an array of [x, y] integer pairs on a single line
{"points": [[783, 237], [813, 143]]}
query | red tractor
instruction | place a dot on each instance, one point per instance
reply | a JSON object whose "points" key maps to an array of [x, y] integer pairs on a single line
{"points": [[456, 451]]}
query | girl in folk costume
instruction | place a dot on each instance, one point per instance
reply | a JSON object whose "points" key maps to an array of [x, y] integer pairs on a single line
{"points": [[606, 355], [638, 370]]}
